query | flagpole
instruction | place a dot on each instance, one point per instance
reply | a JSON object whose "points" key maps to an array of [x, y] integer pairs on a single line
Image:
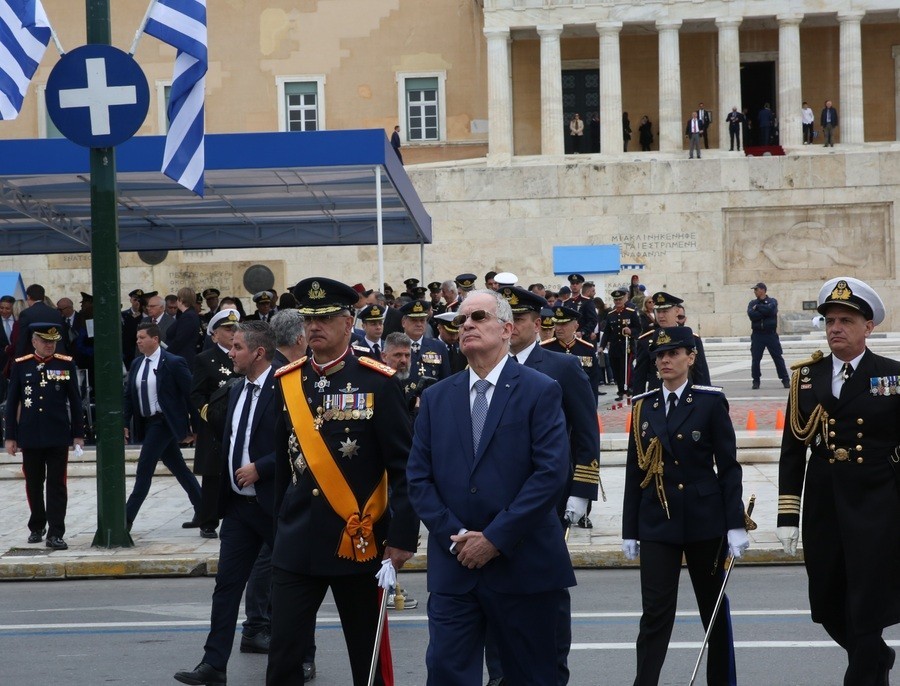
{"points": [[140, 31], [55, 39]]}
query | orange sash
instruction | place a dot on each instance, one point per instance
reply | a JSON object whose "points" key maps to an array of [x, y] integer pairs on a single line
{"points": [[357, 542]]}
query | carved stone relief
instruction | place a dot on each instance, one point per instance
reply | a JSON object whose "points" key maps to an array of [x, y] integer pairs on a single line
{"points": [[804, 243]]}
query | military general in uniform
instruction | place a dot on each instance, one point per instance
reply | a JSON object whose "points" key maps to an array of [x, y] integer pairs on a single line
{"points": [[341, 447], [565, 341], [43, 419], [645, 378], [843, 410], [622, 326]]}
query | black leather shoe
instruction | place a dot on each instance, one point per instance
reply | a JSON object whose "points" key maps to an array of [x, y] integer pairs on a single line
{"points": [[193, 524], [756, 385], [496, 682], [584, 523], [57, 543], [36, 536], [255, 644], [208, 532], [888, 665], [202, 675], [309, 671]]}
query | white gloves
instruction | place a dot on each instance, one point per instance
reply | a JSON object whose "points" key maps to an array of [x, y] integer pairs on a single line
{"points": [[789, 536], [738, 542], [387, 575], [576, 508], [631, 548]]}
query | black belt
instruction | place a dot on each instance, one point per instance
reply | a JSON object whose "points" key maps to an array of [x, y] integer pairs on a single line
{"points": [[154, 417], [250, 499]]}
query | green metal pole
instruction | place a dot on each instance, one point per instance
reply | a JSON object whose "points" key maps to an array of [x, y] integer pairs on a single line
{"points": [[111, 526]]}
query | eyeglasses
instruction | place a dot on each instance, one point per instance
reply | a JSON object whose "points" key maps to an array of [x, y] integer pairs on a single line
{"points": [[477, 316], [681, 319]]}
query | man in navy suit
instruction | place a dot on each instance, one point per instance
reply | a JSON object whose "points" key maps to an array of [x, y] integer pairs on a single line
{"points": [[157, 398], [246, 493], [486, 484], [37, 311]]}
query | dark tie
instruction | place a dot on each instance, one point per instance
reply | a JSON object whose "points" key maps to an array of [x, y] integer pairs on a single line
{"points": [[145, 393], [238, 443], [377, 351], [673, 401], [479, 411], [847, 371]]}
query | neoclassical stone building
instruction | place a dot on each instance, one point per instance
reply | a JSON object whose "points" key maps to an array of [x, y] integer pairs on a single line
{"points": [[483, 92]]}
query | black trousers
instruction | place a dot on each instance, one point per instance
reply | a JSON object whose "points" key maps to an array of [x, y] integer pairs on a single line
{"points": [[295, 601], [735, 135], [760, 341], [660, 569], [245, 529], [617, 361], [39, 464], [208, 512], [563, 643], [868, 655]]}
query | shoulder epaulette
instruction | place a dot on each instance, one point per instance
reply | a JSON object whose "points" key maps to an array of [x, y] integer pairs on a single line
{"points": [[584, 342], [24, 357], [647, 333], [548, 341], [291, 366], [707, 389], [629, 309], [360, 348], [64, 358], [816, 357], [376, 365]]}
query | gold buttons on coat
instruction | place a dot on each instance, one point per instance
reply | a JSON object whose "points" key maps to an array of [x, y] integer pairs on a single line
{"points": [[858, 421], [679, 436], [832, 422], [315, 491], [831, 434], [859, 435], [680, 487], [858, 448]]}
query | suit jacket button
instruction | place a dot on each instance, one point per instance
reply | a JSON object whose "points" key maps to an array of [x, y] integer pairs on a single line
{"points": [[473, 490], [315, 491], [680, 487], [859, 420], [676, 463], [679, 436]]}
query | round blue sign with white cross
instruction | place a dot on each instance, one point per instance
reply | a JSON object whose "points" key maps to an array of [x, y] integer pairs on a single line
{"points": [[97, 96]]}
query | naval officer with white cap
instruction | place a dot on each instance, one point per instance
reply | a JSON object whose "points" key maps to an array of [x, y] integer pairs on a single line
{"points": [[844, 407]]}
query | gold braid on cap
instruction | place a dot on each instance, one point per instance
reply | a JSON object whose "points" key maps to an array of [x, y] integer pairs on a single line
{"points": [[650, 460], [818, 418]]}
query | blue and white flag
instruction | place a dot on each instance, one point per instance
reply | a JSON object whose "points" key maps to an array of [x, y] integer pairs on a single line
{"points": [[24, 35], [182, 24]]}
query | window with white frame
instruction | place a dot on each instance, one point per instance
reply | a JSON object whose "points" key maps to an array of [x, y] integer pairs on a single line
{"points": [[301, 103], [46, 127], [422, 106], [163, 93]]}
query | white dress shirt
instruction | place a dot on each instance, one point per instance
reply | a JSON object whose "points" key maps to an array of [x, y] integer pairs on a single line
{"points": [[678, 392], [259, 383], [837, 372], [151, 381], [492, 377]]}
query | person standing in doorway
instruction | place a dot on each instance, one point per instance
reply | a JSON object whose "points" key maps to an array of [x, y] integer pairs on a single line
{"points": [[828, 121], [735, 119], [576, 130], [693, 130], [808, 119]]}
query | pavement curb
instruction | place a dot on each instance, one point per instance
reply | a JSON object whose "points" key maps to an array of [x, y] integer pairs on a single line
{"points": [[188, 566]]}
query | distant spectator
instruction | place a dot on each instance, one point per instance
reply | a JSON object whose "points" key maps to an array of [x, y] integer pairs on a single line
{"points": [[37, 311], [809, 121], [828, 121], [576, 131], [626, 131], [395, 143], [645, 133], [766, 120], [183, 336]]}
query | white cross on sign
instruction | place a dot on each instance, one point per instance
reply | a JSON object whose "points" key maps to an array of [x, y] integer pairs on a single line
{"points": [[98, 96]]}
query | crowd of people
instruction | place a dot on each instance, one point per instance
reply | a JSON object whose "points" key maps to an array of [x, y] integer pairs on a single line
{"points": [[490, 439]]}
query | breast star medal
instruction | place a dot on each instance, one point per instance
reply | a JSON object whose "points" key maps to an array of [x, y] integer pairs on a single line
{"points": [[225, 371], [322, 384], [27, 402], [349, 448]]}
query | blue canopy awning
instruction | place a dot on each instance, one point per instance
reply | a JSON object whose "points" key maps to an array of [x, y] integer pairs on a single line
{"points": [[586, 259], [261, 190]]}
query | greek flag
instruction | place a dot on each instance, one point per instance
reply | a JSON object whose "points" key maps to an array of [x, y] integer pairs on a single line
{"points": [[24, 35], [182, 24]]}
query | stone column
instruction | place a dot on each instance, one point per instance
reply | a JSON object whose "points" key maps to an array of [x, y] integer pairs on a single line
{"points": [[850, 107], [671, 118], [790, 97], [895, 51], [552, 131], [500, 139], [729, 74], [610, 88]]}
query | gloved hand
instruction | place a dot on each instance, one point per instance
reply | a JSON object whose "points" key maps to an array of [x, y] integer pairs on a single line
{"points": [[789, 537], [738, 542], [576, 508], [631, 548], [387, 575]]}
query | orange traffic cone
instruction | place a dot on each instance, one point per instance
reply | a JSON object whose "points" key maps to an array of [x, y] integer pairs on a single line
{"points": [[628, 422], [599, 423], [779, 420], [751, 421]]}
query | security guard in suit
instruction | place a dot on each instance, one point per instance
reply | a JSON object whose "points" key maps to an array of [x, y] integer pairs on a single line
{"points": [[682, 498], [565, 341], [430, 357], [843, 410], [341, 448], [44, 419], [666, 307], [213, 369], [623, 325]]}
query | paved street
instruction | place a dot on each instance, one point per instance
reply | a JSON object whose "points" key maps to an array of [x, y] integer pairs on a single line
{"points": [[135, 632]]}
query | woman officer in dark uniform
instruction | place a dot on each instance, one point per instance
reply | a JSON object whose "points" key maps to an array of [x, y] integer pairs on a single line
{"points": [[682, 496]]}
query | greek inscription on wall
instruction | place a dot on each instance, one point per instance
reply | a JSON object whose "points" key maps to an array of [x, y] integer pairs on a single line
{"points": [[808, 243], [641, 247]]}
